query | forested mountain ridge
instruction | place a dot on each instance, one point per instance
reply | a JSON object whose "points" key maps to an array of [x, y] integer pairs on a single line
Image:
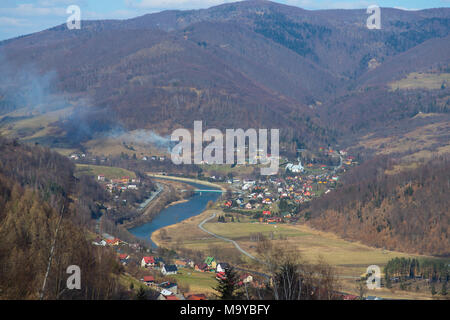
{"points": [[38, 196], [244, 64], [407, 211]]}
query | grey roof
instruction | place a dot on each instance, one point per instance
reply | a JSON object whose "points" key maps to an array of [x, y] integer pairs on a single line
{"points": [[170, 268]]}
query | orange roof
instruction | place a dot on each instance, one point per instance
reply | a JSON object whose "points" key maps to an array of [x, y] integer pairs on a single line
{"points": [[149, 278]]}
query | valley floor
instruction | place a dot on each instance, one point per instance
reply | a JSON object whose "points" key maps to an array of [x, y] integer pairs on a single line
{"points": [[351, 259]]}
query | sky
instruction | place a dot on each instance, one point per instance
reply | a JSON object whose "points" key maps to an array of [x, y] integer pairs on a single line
{"points": [[20, 17]]}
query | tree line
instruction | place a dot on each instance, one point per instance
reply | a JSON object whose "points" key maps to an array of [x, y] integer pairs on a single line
{"points": [[406, 211], [44, 212]]}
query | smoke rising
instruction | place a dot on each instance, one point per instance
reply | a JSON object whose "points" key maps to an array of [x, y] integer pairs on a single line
{"points": [[34, 93]]}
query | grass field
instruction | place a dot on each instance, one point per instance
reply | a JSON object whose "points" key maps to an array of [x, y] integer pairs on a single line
{"points": [[225, 169], [36, 126], [113, 146], [351, 259], [126, 280], [198, 282], [421, 143], [421, 80], [108, 172]]}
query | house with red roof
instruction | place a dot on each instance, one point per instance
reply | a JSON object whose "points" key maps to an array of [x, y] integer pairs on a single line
{"points": [[221, 276], [124, 256], [149, 280], [202, 267], [148, 262]]}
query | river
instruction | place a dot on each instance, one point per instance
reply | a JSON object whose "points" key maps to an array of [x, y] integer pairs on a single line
{"points": [[176, 213]]}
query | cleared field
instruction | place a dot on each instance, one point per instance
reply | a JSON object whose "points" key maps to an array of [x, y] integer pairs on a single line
{"points": [[108, 172], [198, 282], [224, 169], [351, 259], [419, 144], [113, 146], [241, 231], [35, 125], [422, 80], [311, 244]]}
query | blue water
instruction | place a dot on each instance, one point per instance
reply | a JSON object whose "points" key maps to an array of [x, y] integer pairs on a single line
{"points": [[176, 213]]}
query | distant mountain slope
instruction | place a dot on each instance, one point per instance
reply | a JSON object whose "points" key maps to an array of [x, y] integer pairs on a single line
{"points": [[429, 55], [407, 211], [244, 64]]}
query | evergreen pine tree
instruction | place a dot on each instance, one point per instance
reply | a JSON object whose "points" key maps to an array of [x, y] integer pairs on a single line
{"points": [[388, 281], [227, 286]]}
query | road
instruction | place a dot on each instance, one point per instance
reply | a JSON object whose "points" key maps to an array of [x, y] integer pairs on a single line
{"points": [[200, 225], [340, 164], [152, 196]]}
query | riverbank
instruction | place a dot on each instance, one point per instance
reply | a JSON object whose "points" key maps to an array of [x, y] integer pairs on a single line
{"points": [[178, 210], [191, 180], [169, 195], [176, 202]]}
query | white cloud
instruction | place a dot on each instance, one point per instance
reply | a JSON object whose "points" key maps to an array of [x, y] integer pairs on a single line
{"points": [[13, 22], [29, 10], [406, 9]]}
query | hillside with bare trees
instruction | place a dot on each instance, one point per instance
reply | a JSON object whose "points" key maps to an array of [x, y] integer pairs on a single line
{"points": [[407, 211], [43, 216]]}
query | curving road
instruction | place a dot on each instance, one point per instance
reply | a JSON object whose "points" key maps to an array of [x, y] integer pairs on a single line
{"points": [[200, 225]]}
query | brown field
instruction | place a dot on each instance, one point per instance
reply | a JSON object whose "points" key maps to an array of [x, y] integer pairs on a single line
{"points": [[418, 80], [351, 259], [418, 145]]}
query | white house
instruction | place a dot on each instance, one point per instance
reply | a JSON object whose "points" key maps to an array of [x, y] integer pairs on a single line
{"points": [[295, 168], [100, 243], [221, 267], [169, 269], [246, 278]]}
